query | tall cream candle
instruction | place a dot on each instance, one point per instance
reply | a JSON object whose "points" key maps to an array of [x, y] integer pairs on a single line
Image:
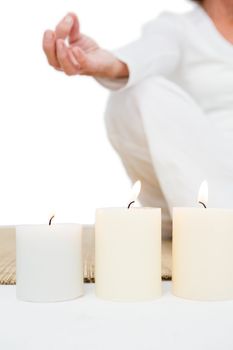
{"points": [[128, 253], [202, 252]]}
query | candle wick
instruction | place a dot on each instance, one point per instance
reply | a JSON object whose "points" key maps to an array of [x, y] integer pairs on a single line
{"points": [[130, 204], [50, 221], [202, 204]]}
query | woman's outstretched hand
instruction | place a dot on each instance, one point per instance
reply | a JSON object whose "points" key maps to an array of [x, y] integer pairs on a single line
{"points": [[72, 52]]}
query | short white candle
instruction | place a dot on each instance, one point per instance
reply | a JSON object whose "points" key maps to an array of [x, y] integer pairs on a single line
{"points": [[49, 262], [128, 253], [202, 252]]}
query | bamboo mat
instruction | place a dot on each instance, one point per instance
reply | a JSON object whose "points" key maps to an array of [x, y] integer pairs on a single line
{"points": [[7, 255]]}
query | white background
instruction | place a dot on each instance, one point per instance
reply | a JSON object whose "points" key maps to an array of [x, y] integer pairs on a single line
{"points": [[54, 152], [88, 323]]}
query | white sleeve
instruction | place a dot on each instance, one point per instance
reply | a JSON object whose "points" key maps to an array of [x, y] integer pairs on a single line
{"points": [[156, 52]]}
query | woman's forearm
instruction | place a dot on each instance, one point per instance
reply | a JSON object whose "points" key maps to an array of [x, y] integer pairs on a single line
{"points": [[109, 66], [119, 70]]}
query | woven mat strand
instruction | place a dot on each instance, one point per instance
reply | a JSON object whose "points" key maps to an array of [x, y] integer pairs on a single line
{"points": [[7, 255]]}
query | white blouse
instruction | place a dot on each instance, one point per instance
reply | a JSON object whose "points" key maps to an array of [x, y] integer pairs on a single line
{"points": [[187, 49]]}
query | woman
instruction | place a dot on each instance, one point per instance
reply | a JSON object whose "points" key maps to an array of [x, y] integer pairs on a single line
{"points": [[170, 117]]}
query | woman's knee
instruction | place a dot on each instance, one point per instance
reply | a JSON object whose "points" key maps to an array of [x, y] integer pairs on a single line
{"points": [[150, 88], [119, 103], [122, 116]]}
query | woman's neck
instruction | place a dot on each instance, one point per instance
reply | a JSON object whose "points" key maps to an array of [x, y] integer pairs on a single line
{"points": [[221, 13], [219, 9]]}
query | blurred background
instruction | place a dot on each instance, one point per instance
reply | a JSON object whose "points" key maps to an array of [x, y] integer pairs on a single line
{"points": [[54, 152]]}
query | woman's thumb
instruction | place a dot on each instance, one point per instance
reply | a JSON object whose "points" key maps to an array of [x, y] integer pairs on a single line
{"points": [[75, 29], [68, 27]]}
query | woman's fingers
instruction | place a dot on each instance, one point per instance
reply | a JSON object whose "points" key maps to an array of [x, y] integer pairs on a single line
{"points": [[71, 60], [58, 54], [88, 65], [68, 27], [49, 46], [66, 59], [81, 57]]}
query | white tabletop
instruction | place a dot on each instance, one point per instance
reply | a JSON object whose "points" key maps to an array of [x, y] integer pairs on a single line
{"points": [[89, 323]]}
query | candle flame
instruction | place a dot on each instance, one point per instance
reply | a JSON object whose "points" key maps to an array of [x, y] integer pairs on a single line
{"points": [[135, 192], [203, 194]]}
